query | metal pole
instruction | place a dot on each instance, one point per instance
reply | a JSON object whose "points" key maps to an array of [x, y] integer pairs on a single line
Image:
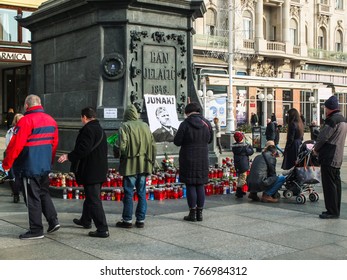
{"points": [[204, 95], [265, 107], [230, 106]]}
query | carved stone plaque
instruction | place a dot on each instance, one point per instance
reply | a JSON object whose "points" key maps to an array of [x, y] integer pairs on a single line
{"points": [[159, 70]]}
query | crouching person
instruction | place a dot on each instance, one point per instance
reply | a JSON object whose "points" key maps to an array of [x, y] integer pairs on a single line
{"points": [[263, 178]]}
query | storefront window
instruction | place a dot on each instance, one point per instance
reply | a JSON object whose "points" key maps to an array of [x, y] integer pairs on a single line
{"points": [[8, 25]]}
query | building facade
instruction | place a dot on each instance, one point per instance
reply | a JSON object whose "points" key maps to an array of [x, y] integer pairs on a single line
{"points": [[285, 54], [15, 54]]}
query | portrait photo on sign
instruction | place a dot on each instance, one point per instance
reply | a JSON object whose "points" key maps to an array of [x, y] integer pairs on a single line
{"points": [[162, 116]]}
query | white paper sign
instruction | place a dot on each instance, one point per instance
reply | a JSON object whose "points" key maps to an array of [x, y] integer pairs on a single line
{"points": [[110, 113]]}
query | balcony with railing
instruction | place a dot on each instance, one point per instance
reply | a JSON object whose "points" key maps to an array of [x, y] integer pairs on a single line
{"points": [[327, 55], [324, 8], [210, 42], [276, 47]]}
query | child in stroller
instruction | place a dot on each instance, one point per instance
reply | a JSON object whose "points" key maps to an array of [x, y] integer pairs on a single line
{"points": [[295, 185]]}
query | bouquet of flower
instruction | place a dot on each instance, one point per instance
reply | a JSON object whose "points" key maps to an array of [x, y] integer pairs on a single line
{"points": [[167, 162]]}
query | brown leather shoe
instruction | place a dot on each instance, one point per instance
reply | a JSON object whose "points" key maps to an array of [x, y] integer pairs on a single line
{"points": [[268, 198]]}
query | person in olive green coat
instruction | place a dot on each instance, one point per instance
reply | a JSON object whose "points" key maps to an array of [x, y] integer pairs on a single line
{"points": [[137, 150]]}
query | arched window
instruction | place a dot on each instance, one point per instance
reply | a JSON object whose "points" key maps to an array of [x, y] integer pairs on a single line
{"points": [[210, 22], [247, 25], [339, 41], [322, 39], [294, 32]]}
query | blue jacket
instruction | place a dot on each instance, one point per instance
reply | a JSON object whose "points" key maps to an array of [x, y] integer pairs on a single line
{"points": [[33, 146]]}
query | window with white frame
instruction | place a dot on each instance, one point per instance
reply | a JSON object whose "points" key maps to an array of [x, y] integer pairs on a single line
{"points": [[8, 25], [339, 41], [210, 22], [247, 26], [293, 32]]}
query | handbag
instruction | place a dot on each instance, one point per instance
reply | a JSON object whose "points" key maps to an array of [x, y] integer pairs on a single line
{"points": [[75, 165], [308, 174]]}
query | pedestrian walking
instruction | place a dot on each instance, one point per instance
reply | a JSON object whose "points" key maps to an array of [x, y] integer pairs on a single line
{"points": [[218, 134], [193, 136], [137, 149], [330, 148], [254, 119], [30, 153], [89, 163], [14, 184], [9, 117], [295, 136], [270, 132]]}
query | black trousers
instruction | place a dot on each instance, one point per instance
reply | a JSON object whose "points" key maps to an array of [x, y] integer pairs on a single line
{"points": [[331, 182], [14, 184], [93, 209], [38, 200], [195, 196]]}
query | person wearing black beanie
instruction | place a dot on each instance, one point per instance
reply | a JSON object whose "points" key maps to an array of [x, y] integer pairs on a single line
{"points": [[329, 147]]}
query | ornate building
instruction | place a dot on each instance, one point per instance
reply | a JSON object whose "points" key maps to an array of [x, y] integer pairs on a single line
{"points": [[285, 54]]}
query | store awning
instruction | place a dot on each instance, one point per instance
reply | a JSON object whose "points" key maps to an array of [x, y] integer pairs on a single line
{"points": [[263, 82]]}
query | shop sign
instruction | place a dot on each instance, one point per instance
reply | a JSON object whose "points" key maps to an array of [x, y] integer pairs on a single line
{"points": [[12, 56]]}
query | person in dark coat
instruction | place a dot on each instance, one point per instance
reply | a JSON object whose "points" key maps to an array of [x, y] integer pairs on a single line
{"points": [[9, 118], [273, 117], [294, 139], [330, 149], [263, 178], [193, 136], [270, 132], [90, 152], [254, 119], [241, 151]]}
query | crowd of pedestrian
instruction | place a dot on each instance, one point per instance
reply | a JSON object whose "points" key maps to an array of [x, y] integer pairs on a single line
{"points": [[32, 140]]}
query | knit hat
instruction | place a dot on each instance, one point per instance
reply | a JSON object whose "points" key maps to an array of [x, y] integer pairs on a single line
{"points": [[238, 136], [332, 103]]}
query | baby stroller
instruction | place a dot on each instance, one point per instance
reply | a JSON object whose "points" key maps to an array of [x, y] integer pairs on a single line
{"points": [[3, 174], [297, 182]]}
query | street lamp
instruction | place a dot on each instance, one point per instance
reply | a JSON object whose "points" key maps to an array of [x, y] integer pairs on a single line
{"points": [[230, 104], [264, 98]]}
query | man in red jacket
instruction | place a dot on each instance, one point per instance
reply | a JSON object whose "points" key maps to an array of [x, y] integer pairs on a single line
{"points": [[30, 153]]}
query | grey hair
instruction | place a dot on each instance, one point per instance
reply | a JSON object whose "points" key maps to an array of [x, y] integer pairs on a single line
{"points": [[32, 100]]}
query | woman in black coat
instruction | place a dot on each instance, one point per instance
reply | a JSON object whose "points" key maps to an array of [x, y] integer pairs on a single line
{"points": [[294, 139], [193, 136]]}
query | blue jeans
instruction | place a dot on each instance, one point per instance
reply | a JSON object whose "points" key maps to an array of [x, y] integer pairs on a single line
{"points": [[276, 186], [139, 183]]}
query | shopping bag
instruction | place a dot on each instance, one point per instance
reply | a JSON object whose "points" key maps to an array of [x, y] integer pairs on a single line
{"points": [[308, 174]]}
